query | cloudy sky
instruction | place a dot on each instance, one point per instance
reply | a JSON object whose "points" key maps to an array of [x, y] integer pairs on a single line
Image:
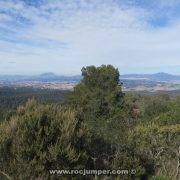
{"points": [[61, 36]]}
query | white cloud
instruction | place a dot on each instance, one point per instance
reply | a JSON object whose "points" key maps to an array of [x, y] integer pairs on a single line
{"points": [[62, 37]]}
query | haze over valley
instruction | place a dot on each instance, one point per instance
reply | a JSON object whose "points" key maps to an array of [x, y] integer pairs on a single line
{"points": [[130, 82]]}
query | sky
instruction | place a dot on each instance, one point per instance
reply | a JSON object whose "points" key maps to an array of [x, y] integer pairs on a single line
{"points": [[62, 36]]}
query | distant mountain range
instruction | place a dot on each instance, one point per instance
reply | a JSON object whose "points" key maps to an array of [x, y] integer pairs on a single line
{"points": [[152, 77], [46, 77], [49, 77]]}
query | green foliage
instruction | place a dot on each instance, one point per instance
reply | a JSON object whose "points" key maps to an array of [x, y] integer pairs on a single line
{"points": [[39, 138], [160, 144], [159, 178], [99, 99], [104, 77], [11, 98], [97, 127], [156, 105]]}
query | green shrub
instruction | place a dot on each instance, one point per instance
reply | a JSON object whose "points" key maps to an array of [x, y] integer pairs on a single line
{"points": [[39, 138]]}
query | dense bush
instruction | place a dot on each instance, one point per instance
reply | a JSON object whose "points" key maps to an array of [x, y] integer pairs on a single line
{"points": [[39, 138]]}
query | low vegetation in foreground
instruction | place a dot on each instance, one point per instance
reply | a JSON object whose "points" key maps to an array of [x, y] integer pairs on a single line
{"points": [[97, 126]]}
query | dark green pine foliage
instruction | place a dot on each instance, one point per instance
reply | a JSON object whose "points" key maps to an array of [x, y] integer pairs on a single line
{"points": [[100, 100]]}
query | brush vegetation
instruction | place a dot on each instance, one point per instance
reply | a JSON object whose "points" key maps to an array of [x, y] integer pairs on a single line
{"points": [[96, 127]]}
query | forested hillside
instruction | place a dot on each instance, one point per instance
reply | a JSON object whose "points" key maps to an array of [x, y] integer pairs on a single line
{"points": [[11, 98], [96, 127]]}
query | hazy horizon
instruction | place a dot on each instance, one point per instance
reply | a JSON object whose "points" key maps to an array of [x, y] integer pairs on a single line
{"points": [[59, 74], [136, 36]]}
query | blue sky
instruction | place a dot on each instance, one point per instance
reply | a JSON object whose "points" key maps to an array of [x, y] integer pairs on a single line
{"points": [[61, 36]]}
